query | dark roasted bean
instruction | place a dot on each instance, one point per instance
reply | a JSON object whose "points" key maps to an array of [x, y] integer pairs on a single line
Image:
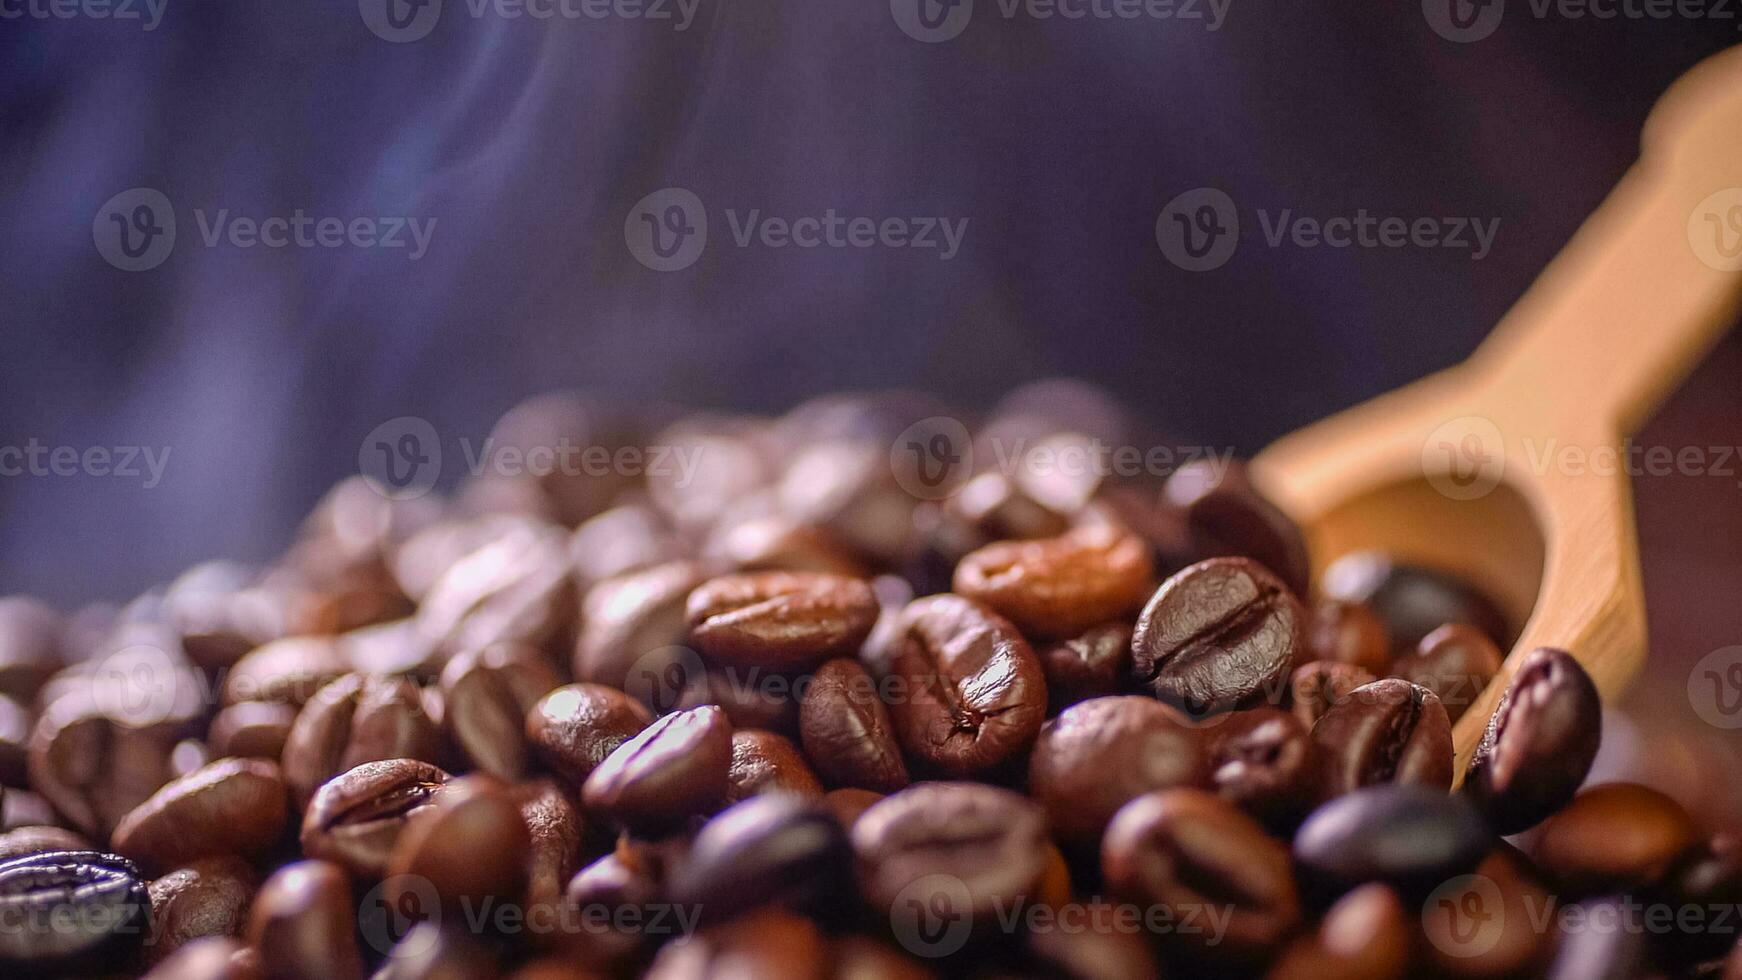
{"points": [[288, 671], [1409, 837], [1264, 762], [769, 946], [468, 846], [763, 762], [1366, 935], [30, 641], [1709, 879], [71, 911], [555, 834], [255, 729], [676, 768], [627, 620], [356, 719], [519, 588], [211, 958], [1386, 731], [92, 768], [574, 728], [1539, 745], [963, 848], [1314, 687], [780, 620], [1092, 664], [849, 803], [208, 897], [486, 695], [1612, 837], [847, 732], [1488, 923], [1099, 754], [1410, 600], [1226, 516], [430, 951], [1349, 633], [356, 817], [1456, 662], [36, 839], [1061, 586], [778, 850], [303, 922], [232, 806]]}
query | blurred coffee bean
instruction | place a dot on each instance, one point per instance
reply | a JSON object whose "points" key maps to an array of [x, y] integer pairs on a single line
{"points": [[36, 838], [289, 671], [626, 538], [487, 694], [847, 804], [780, 620], [30, 652], [1410, 600], [1187, 850], [1383, 732], [1539, 745], [1227, 517], [556, 968], [303, 922], [574, 728], [1220, 635], [555, 834], [68, 912], [1315, 687], [394, 648], [569, 444], [847, 732], [676, 768], [763, 762], [621, 898], [1104, 953], [356, 719], [1706, 885], [469, 846], [15, 725], [1264, 762], [188, 755], [849, 488], [972, 695], [1604, 948], [1366, 935], [1349, 633], [778, 850], [1456, 662], [1099, 754], [998, 510], [1489, 923], [774, 543], [726, 463], [519, 588], [232, 806], [22, 808], [770, 945], [210, 958], [355, 818], [220, 612], [425, 556], [207, 897], [256, 729], [959, 849], [751, 698], [1060, 586], [1613, 837], [91, 768], [138, 677], [1146, 512], [1406, 836], [859, 957], [438, 952], [1092, 664], [626, 621]]}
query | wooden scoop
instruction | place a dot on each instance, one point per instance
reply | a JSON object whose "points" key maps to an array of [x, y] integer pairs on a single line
{"points": [[1504, 469]]}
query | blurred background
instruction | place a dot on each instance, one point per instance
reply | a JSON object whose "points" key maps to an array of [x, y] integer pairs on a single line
{"points": [[523, 145]]}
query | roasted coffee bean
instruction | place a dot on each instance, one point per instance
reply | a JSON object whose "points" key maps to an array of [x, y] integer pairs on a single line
{"points": [[356, 817], [763, 762], [1185, 849], [774, 543], [30, 640], [1539, 745], [974, 694], [395, 648], [70, 911], [1612, 837], [288, 671], [847, 732], [1099, 754], [1264, 762], [92, 768], [1482, 925], [1456, 662], [36, 839], [626, 538], [1410, 600], [303, 922], [15, 725], [1227, 517], [574, 728], [555, 834], [356, 719], [232, 806], [627, 621], [770, 850], [848, 803], [676, 768], [1387, 731], [1061, 586], [556, 968], [627, 890], [780, 620], [469, 846], [208, 897], [1349, 633], [1707, 878], [1099, 952], [1412, 838], [1219, 635], [1093, 664], [752, 698], [1595, 953], [211, 958], [1314, 687], [519, 588], [996, 509], [850, 488], [22, 808], [220, 614], [256, 729], [863, 958], [770, 945], [486, 695], [434, 952], [1366, 935], [958, 849]]}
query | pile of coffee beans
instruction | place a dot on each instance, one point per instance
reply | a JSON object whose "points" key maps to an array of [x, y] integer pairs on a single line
{"points": [[845, 693]]}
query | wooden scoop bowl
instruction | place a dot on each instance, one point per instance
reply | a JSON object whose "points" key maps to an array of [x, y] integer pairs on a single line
{"points": [[1503, 469]]}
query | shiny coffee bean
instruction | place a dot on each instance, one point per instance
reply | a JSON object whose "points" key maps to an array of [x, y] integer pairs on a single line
{"points": [[232, 806], [1264, 762], [1410, 600], [770, 850], [468, 847], [780, 620], [1227, 517], [1189, 850], [1539, 745], [847, 732], [438, 952], [1219, 635], [30, 646], [303, 922], [1612, 837], [772, 543], [208, 897], [256, 729], [70, 911], [356, 719], [1366, 935], [959, 849], [287, 671], [625, 538], [1707, 879], [1387, 731], [1092, 664], [1099, 754], [486, 695], [91, 768], [1061, 586], [1456, 662], [36, 839], [1349, 633], [627, 619], [996, 509], [356, 817], [622, 892], [676, 768], [770, 945], [973, 694], [519, 588], [1314, 687], [210, 958], [574, 728], [763, 762], [555, 835], [1409, 837]]}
